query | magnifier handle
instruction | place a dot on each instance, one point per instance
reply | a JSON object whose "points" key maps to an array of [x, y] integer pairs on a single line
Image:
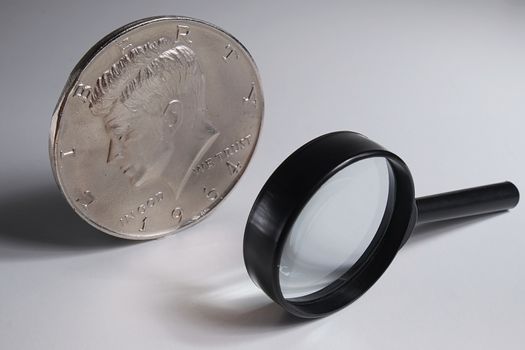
{"points": [[467, 202]]}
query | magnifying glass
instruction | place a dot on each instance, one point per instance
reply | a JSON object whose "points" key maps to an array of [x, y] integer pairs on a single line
{"points": [[331, 218]]}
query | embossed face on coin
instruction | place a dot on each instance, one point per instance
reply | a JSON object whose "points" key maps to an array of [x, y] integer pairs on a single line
{"points": [[146, 98], [155, 126]]}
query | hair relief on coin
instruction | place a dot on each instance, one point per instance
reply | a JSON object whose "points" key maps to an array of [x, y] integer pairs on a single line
{"points": [[165, 105]]}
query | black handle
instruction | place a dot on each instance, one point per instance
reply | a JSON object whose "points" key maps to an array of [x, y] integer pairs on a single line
{"points": [[467, 202]]}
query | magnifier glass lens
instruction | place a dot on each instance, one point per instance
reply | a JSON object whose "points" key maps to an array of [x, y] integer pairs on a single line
{"points": [[335, 227]]}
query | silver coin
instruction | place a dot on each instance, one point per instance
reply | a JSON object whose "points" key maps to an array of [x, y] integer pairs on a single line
{"points": [[156, 124]]}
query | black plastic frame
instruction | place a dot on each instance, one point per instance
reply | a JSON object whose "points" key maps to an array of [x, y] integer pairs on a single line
{"points": [[278, 205]]}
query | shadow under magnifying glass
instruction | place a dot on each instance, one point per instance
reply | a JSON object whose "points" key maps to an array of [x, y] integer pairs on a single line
{"points": [[434, 229], [227, 308], [226, 305]]}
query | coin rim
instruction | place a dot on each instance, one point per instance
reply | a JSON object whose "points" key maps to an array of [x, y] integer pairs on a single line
{"points": [[88, 57]]}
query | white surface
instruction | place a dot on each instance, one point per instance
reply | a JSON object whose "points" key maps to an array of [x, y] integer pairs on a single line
{"points": [[335, 227], [440, 83]]}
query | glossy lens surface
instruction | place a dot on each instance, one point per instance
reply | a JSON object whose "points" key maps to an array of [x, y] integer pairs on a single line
{"points": [[335, 228]]}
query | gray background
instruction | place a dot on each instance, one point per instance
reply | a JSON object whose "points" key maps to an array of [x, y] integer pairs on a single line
{"points": [[441, 83]]}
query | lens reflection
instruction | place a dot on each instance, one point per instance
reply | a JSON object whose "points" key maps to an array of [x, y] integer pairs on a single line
{"points": [[335, 227]]}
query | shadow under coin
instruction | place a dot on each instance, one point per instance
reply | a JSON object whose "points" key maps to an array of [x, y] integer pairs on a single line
{"points": [[39, 223]]}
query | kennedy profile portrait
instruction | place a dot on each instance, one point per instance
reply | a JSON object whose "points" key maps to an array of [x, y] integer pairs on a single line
{"points": [[152, 103]]}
